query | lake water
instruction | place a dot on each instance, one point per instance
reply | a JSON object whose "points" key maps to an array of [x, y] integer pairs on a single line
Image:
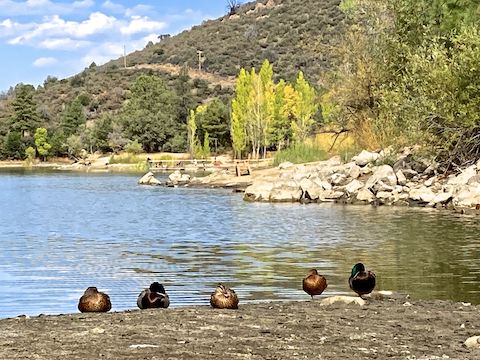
{"points": [[63, 232]]}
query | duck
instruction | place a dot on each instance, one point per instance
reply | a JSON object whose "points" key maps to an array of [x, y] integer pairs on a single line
{"points": [[361, 281], [314, 283], [93, 300], [152, 297], [224, 298]]}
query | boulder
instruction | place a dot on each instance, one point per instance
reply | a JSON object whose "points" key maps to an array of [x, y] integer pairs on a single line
{"points": [[338, 179], [354, 186], [468, 196], [149, 179], [175, 177], [289, 191], [311, 190], [442, 197], [464, 177], [354, 171], [382, 173], [401, 178], [474, 180], [365, 195], [258, 191], [431, 181], [409, 173], [422, 194], [381, 186], [331, 195], [365, 157]]}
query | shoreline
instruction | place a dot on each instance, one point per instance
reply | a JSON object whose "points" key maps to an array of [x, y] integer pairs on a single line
{"points": [[393, 328]]}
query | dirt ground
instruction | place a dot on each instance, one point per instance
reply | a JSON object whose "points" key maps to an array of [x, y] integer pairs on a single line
{"points": [[386, 329]]}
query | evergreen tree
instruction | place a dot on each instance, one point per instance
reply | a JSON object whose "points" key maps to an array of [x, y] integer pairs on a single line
{"points": [[73, 117], [215, 121], [25, 118]]}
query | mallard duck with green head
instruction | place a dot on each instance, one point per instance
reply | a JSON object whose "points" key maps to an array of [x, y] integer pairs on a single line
{"points": [[154, 296], [314, 283], [361, 281], [93, 300], [224, 298]]}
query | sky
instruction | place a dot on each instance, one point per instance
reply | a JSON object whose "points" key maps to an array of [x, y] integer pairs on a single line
{"points": [[60, 38]]}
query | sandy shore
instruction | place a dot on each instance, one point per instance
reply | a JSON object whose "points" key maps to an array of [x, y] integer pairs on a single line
{"points": [[382, 329]]}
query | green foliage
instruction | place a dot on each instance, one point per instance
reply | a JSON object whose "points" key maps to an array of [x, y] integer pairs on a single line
{"points": [[214, 119], [126, 159], [206, 145], [300, 153], [74, 146], [133, 147], [73, 117], [29, 155], [14, 147], [149, 115], [240, 104], [304, 110], [25, 118], [43, 147]]}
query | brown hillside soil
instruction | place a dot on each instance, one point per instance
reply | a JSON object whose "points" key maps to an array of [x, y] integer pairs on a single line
{"points": [[384, 329], [192, 73]]}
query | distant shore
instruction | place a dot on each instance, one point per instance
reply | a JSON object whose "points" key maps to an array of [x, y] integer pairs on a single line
{"points": [[394, 329]]}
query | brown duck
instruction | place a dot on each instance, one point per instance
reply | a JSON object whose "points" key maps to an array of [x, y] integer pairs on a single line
{"points": [[224, 298], [314, 283], [361, 281], [153, 297], [94, 301]]}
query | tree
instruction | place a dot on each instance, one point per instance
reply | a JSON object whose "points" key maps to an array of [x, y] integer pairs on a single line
{"points": [[206, 145], [192, 133], [73, 117], [184, 94], [25, 119], [41, 143], [149, 115], [305, 107], [281, 131], [14, 147], [215, 120], [240, 112]]}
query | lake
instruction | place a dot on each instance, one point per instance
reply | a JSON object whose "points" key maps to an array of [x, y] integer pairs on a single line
{"points": [[63, 232]]}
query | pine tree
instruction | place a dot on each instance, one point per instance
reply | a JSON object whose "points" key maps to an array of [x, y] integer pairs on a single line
{"points": [[73, 117], [25, 119]]}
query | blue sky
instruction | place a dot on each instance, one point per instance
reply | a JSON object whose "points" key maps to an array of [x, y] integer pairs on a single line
{"points": [[61, 37]]}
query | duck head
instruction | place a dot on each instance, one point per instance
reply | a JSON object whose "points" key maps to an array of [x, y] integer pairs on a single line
{"points": [[312, 272], [357, 268], [157, 287]]}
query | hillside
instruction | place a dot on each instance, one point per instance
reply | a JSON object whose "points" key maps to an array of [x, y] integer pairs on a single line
{"points": [[292, 34]]}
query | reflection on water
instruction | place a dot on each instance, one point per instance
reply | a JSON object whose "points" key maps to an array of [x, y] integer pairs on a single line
{"points": [[61, 233]]}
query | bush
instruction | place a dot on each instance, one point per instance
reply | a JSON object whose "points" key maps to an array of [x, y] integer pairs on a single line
{"points": [[300, 153], [133, 147]]}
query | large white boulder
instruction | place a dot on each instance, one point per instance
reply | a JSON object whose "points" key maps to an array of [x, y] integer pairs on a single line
{"points": [[258, 191], [365, 157], [382, 173], [149, 179], [464, 177], [467, 196]]}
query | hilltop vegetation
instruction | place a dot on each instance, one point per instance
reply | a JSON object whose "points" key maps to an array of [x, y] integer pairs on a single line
{"points": [[394, 74]]}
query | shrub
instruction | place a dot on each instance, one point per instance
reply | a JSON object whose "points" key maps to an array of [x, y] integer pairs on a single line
{"points": [[300, 153]]}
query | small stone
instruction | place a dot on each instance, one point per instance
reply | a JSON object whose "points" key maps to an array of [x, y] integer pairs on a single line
{"points": [[473, 342]]}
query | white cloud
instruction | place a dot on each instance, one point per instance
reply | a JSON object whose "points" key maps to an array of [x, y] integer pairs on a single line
{"points": [[42, 7], [141, 25], [114, 7], [45, 61], [66, 44], [139, 10], [56, 26]]}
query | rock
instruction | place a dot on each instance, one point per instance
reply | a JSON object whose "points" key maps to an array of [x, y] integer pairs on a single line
{"points": [[149, 179], [365, 195], [343, 300], [442, 198], [331, 195], [354, 171], [286, 192], [353, 186], [381, 186], [366, 170], [365, 157], [474, 180], [385, 197], [401, 179], [430, 181], [409, 173], [478, 165], [338, 179], [464, 177], [285, 165], [382, 173], [175, 176], [422, 194], [311, 190], [473, 342], [258, 191], [468, 196]]}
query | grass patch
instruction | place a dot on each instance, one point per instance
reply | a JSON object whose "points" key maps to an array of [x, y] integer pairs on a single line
{"points": [[300, 153], [126, 159]]}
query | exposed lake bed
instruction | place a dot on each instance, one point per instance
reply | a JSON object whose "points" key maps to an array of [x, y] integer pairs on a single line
{"points": [[394, 329]]}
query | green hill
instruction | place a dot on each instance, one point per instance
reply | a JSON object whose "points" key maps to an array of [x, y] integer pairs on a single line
{"points": [[292, 34]]}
